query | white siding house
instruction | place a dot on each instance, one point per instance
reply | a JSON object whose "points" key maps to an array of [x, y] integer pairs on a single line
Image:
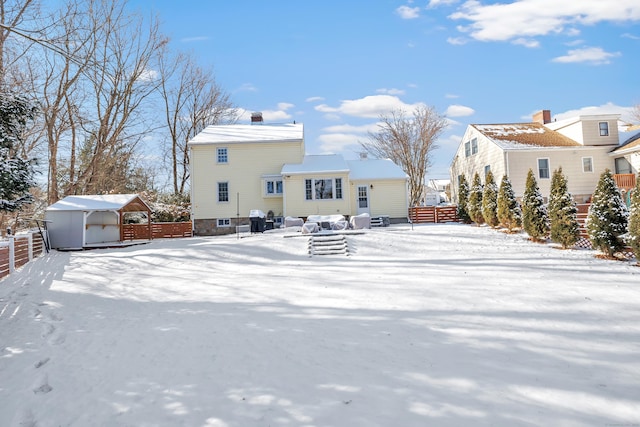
{"points": [[581, 146]]}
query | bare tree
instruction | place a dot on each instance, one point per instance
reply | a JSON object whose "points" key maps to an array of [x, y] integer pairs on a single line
{"points": [[192, 100], [56, 81], [409, 142], [121, 47], [13, 13]]}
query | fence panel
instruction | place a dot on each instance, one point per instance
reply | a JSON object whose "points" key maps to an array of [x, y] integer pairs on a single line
{"points": [[433, 214], [4, 259], [171, 229], [21, 253]]}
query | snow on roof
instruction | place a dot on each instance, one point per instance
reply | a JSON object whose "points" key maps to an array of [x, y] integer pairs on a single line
{"points": [[93, 202], [630, 144], [524, 135], [229, 134], [317, 163], [375, 169]]}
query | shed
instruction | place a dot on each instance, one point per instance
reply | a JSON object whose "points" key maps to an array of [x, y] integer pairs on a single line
{"points": [[90, 221]]}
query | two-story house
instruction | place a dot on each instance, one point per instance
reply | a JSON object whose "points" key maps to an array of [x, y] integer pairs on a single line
{"points": [[583, 146], [239, 168]]}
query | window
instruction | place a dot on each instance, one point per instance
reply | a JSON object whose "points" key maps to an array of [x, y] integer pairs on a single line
{"points": [[223, 192], [323, 189], [273, 187], [587, 164], [222, 155], [543, 168], [487, 169], [604, 128], [224, 222], [474, 146], [467, 149]]}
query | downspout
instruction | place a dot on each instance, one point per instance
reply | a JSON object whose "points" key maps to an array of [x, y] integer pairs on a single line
{"points": [[191, 191], [506, 163]]}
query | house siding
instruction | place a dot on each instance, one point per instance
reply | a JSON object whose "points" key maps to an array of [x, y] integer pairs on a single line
{"points": [[387, 197], [591, 133], [488, 154], [580, 184], [297, 206], [517, 162], [247, 164]]}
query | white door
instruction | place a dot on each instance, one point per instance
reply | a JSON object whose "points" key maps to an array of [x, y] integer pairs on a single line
{"points": [[363, 199]]}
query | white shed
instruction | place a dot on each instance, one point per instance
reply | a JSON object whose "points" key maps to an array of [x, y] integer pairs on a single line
{"points": [[78, 222]]}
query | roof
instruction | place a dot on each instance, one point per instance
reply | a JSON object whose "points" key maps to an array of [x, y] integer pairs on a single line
{"points": [[631, 144], [375, 169], [525, 136], [105, 202], [230, 134], [317, 163]]}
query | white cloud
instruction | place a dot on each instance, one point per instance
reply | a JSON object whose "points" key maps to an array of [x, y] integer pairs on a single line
{"points": [[630, 36], [346, 128], [391, 91], [457, 41], [436, 3], [456, 110], [273, 116], [530, 18], [608, 108], [451, 96], [406, 12], [148, 75], [194, 39], [531, 43], [368, 107], [338, 142], [314, 99], [575, 42], [592, 55], [285, 106], [247, 87]]}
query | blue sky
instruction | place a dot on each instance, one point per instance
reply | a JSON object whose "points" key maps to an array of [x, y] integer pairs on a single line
{"points": [[337, 65]]}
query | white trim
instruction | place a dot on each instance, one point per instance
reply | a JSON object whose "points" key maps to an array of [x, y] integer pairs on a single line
{"points": [[591, 163], [548, 167]]}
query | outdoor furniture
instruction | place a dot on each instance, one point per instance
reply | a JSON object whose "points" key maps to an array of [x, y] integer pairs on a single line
{"points": [[293, 222], [310, 228], [361, 221]]}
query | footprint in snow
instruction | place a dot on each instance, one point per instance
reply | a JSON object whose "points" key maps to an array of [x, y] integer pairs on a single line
{"points": [[42, 385]]}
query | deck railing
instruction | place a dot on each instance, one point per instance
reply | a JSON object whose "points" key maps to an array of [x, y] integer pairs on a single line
{"points": [[625, 181]]}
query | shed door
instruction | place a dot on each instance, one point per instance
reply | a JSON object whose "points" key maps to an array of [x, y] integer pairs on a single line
{"points": [[363, 199]]}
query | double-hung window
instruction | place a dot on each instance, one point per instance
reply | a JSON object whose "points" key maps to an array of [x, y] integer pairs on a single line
{"points": [[604, 128], [587, 164], [273, 187], [474, 146], [543, 168], [467, 149], [223, 192], [323, 189], [222, 155]]}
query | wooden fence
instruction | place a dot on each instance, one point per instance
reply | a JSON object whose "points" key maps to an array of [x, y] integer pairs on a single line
{"points": [[433, 214], [18, 250], [159, 230]]}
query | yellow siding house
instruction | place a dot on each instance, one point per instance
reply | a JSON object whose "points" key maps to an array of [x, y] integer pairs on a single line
{"points": [[239, 168]]}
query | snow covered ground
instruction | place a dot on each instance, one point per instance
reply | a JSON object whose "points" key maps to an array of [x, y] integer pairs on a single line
{"points": [[443, 325]]}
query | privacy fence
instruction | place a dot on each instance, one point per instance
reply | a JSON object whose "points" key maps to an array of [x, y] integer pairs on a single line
{"points": [[18, 250], [156, 230], [433, 214]]}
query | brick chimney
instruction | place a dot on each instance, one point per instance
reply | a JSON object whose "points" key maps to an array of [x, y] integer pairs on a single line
{"points": [[256, 118], [542, 116]]}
